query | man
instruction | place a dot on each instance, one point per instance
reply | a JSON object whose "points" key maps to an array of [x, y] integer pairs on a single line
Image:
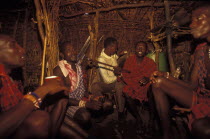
{"points": [[109, 81], [21, 116], [137, 81], [194, 95], [74, 78]]}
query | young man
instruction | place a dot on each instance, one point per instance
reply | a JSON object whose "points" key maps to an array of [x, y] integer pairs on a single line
{"points": [[194, 95], [109, 78], [74, 78], [20, 116], [137, 81]]}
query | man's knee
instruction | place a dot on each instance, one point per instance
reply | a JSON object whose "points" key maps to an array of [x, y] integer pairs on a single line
{"points": [[107, 105], [158, 83], [38, 124], [62, 103], [82, 116]]}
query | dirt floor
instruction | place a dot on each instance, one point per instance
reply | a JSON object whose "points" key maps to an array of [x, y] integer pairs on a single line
{"points": [[110, 128]]}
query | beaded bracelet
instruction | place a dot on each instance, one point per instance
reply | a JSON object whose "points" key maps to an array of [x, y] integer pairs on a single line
{"points": [[82, 103], [32, 99], [37, 97]]}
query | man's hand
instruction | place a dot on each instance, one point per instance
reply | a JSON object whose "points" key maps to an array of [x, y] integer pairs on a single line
{"points": [[51, 87], [143, 81], [117, 71], [94, 105], [156, 74]]}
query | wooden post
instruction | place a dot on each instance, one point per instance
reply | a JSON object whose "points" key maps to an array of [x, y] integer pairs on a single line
{"points": [[93, 47], [43, 61], [25, 40], [168, 36], [156, 45]]}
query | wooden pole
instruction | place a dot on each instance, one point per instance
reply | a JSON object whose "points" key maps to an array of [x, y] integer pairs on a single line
{"points": [[93, 45], [122, 6], [168, 36], [156, 45], [43, 61], [25, 40]]}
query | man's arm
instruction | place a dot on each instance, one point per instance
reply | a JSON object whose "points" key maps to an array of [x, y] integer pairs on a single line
{"points": [[193, 83], [57, 72], [107, 77], [11, 119]]}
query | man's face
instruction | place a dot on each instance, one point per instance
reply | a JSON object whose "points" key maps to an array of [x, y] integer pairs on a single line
{"points": [[113, 48], [141, 50], [70, 54], [11, 53], [200, 26]]}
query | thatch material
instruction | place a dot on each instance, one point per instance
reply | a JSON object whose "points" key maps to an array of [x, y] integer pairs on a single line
{"points": [[47, 17]]}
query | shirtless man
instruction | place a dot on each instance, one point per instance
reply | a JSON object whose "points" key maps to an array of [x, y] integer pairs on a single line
{"points": [[194, 95], [20, 115]]}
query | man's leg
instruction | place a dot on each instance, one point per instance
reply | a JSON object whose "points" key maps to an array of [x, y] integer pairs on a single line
{"points": [[163, 89], [35, 126], [119, 96], [201, 128], [83, 117], [70, 129], [80, 115], [57, 115], [132, 107]]}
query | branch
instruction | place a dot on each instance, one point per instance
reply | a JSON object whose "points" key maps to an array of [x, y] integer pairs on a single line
{"points": [[123, 6], [73, 2], [39, 19]]}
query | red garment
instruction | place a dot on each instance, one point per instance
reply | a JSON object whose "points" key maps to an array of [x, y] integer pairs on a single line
{"points": [[72, 77], [138, 71], [201, 98], [10, 95]]}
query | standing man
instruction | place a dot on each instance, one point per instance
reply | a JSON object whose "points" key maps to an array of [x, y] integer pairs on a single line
{"points": [[194, 95]]}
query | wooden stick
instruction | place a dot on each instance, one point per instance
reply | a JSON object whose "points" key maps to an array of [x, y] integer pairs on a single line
{"points": [[123, 6], [39, 20], [168, 36], [43, 61]]}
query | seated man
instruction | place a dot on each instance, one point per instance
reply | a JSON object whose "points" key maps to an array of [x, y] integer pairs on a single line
{"points": [[194, 95], [21, 116], [109, 83], [137, 81], [74, 78]]}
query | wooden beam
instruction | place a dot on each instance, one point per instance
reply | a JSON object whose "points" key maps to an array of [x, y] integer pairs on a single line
{"points": [[123, 6], [168, 37]]}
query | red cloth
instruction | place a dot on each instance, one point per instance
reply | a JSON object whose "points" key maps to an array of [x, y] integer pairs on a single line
{"points": [[72, 77], [138, 71], [201, 98], [10, 95]]}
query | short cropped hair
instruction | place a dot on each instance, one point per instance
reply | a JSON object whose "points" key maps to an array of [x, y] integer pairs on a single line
{"points": [[142, 42], [109, 41]]}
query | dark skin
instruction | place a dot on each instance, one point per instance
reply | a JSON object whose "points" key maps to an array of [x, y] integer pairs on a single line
{"points": [[23, 121], [179, 90]]}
